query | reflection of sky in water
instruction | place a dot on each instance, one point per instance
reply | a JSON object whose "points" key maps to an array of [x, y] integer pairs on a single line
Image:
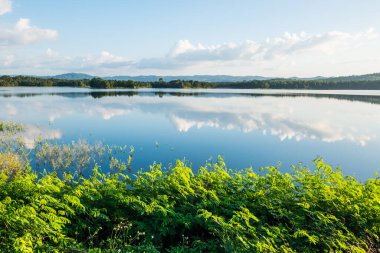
{"points": [[246, 130]]}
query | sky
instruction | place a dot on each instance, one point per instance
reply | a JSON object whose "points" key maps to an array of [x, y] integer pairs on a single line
{"points": [[276, 38]]}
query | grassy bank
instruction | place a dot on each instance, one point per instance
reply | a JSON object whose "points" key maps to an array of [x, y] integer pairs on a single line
{"points": [[176, 210]]}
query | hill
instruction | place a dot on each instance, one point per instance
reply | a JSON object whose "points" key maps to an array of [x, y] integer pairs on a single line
{"points": [[367, 77], [200, 78], [215, 78], [73, 76]]}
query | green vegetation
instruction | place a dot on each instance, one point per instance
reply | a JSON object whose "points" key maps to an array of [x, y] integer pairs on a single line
{"points": [[79, 197], [99, 83], [175, 210], [303, 84], [333, 83], [10, 127]]}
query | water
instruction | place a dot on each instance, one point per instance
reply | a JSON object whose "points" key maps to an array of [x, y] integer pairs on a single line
{"points": [[248, 128]]}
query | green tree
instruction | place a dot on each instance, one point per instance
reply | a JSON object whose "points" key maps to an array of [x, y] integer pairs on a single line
{"points": [[99, 83]]}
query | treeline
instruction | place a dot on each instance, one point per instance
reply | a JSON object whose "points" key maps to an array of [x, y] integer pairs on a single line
{"points": [[302, 84], [28, 81]]}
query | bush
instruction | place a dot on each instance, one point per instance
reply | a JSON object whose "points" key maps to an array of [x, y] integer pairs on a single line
{"points": [[176, 210]]}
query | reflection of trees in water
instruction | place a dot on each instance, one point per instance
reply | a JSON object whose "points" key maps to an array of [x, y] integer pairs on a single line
{"points": [[360, 98], [373, 99], [62, 94], [100, 94]]}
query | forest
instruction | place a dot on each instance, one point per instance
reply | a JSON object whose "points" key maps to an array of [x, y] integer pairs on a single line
{"points": [[99, 83]]}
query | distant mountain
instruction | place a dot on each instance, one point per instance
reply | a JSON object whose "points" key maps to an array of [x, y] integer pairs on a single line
{"points": [[307, 78], [367, 77], [152, 78], [73, 76], [215, 78], [202, 78]]}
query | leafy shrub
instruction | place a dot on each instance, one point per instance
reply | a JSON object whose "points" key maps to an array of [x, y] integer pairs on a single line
{"points": [[10, 164], [176, 210]]}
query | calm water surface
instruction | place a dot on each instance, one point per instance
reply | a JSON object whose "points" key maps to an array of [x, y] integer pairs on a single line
{"points": [[248, 128]]}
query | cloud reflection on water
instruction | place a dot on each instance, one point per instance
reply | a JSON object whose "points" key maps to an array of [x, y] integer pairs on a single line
{"points": [[285, 121], [288, 118], [29, 135], [34, 133]]}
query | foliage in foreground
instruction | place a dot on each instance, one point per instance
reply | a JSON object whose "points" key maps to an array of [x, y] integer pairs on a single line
{"points": [[174, 210]]}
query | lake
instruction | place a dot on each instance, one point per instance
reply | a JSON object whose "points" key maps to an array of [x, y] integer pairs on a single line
{"points": [[249, 128]]}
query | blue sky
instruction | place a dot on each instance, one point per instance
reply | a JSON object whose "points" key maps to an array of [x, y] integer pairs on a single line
{"points": [[174, 37]]}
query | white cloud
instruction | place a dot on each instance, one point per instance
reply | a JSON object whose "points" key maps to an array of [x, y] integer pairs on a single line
{"points": [[5, 6], [186, 53], [8, 60], [95, 63], [24, 33], [300, 54], [184, 50], [51, 61], [51, 53], [104, 60], [326, 43], [292, 54]]}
